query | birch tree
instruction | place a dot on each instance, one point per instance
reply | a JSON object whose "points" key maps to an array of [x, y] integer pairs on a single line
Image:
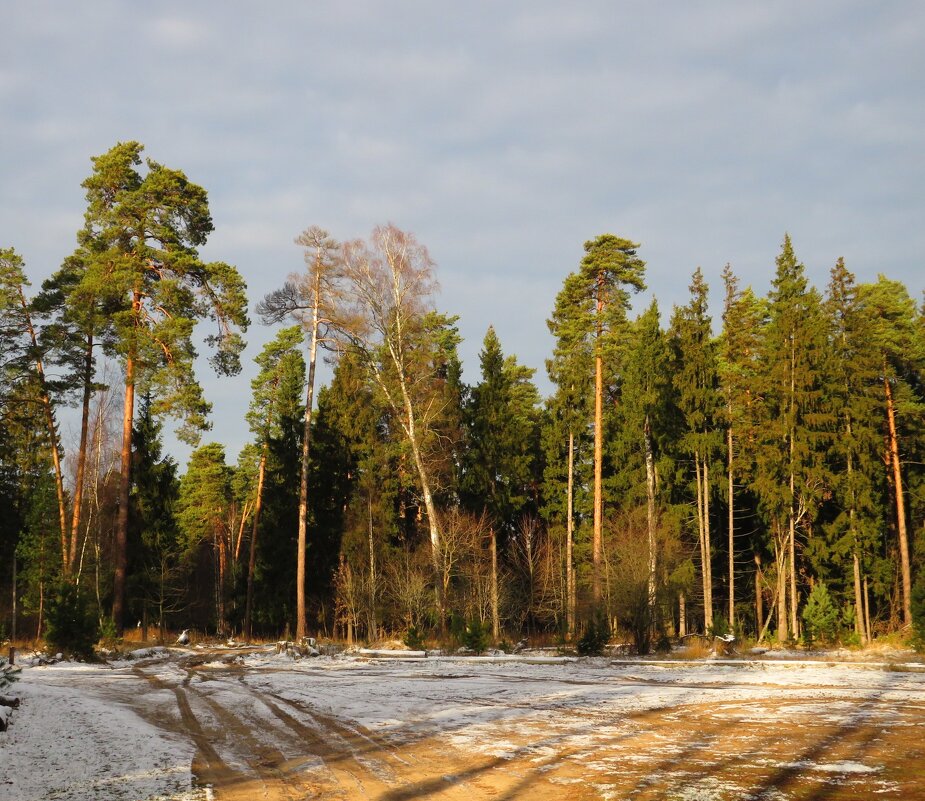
{"points": [[392, 328]]}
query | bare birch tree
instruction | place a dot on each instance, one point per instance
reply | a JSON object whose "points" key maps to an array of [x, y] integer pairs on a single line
{"points": [[389, 324]]}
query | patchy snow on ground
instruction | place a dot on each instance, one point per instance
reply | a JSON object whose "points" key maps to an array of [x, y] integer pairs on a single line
{"points": [[117, 731], [67, 742]]}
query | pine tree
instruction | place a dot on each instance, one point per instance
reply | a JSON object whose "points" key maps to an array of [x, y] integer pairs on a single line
{"points": [[140, 236], [591, 308], [568, 446], [311, 299], [76, 325], [896, 333], [22, 357]]}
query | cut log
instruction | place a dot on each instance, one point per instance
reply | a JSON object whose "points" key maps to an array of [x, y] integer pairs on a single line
{"points": [[386, 654], [5, 713], [10, 701]]}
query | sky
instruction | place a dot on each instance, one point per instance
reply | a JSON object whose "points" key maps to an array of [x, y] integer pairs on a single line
{"points": [[503, 135]]}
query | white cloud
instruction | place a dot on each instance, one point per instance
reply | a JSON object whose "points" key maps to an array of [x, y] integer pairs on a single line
{"points": [[503, 135], [179, 32]]}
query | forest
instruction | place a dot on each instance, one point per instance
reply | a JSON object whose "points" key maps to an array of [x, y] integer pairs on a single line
{"points": [[757, 470]]}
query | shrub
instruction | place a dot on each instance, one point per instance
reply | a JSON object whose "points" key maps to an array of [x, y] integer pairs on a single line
{"points": [[71, 626], [720, 627], [414, 639], [475, 637], [595, 637], [918, 611], [7, 674], [820, 615]]}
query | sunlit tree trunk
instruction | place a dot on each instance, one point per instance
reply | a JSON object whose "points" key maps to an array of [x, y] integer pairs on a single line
{"points": [[252, 554], [495, 616], [81, 453], [650, 516], [301, 627], [125, 486], [905, 567], [569, 539], [598, 454], [731, 504]]}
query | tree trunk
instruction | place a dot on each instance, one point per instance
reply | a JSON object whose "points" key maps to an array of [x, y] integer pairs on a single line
{"points": [[759, 593], [120, 557], [373, 624], [410, 426], [731, 495], [252, 555], [495, 617], [900, 505], [81, 452], [780, 559], [13, 602], [859, 626], [867, 610], [301, 625], [650, 516], [598, 470], [791, 546], [682, 614], [569, 537], [707, 539], [704, 547]]}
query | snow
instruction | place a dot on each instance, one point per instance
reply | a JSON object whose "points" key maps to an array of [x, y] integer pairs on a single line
{"points": [[76, 735], [66, 742]]}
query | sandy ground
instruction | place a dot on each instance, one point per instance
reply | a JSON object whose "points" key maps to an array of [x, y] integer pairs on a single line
{"points": [[227, 726]]}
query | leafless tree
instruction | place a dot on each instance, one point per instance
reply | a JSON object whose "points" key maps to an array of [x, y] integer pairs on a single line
{"points": [[390, 283], [309, 298]]}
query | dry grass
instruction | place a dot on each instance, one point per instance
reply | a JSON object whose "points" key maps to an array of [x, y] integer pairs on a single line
{"points": [[695, 648]]}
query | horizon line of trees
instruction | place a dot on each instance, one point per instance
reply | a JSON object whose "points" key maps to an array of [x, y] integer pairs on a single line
{"points": [[767, 480]]}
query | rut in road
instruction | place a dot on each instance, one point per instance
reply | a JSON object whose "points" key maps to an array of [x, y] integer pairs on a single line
{"points": [[251, 745]]}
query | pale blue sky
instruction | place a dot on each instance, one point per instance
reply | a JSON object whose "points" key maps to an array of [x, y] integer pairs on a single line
{"points": [[503, 134]]}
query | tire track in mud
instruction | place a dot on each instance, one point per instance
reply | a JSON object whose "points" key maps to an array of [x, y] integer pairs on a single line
{"points": [[324, 758]]}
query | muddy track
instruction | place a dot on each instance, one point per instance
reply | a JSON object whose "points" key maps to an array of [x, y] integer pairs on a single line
{"points": [[256, 741], [250, 744]]}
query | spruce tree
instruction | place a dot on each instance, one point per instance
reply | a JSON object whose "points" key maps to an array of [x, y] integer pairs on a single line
{"points": [[854, 532], [744, 317], [645, 423], [280, 364], [203, 516], [695, 375], [498, 468], [791, 478], [156, 571]]}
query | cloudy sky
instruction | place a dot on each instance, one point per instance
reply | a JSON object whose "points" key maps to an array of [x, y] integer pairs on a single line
{"points": [[503, 135]]}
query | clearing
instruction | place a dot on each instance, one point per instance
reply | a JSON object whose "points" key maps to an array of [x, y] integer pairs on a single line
{"points": [[190, 725]]}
